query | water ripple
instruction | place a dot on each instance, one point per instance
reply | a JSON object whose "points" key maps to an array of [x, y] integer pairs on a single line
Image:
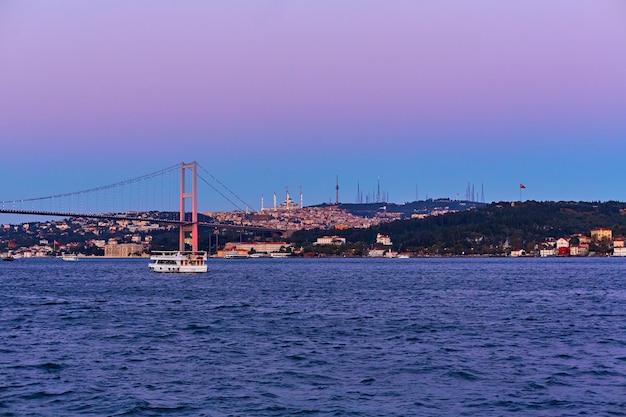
{"points": [[344, 337]]}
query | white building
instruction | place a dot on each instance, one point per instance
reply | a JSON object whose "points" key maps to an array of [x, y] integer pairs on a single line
{"points": [[383, 240], [376, 253], [330, 240], [580, 250], [620, 251], [562, 242]]}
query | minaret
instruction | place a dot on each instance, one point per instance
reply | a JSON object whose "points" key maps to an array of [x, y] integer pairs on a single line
{"points": [[337, 190], [262, 202], [274, 201], [301, 205]]}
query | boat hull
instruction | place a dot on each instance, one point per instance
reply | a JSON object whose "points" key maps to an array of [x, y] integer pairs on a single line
{"points": [[178, 262], [176, 268]]}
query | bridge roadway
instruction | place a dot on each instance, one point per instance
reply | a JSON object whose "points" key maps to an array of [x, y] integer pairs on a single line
{"points": [[138, 219]]}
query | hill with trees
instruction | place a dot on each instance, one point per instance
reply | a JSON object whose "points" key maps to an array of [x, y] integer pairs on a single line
{"points": [[406, 210], [492, 229]]}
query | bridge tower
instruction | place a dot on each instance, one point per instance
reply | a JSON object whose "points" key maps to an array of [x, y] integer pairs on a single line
{"points": [[191, 228]]}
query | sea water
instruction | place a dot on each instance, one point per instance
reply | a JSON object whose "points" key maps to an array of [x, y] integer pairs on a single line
{"points": [[325, 337]]}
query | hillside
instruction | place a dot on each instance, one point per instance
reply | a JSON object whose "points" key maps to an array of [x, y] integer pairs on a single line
{"points": [[492, 229], [408, 209]]}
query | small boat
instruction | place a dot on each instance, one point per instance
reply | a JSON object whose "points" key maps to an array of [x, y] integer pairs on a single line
{"points": [[69, 257], [279, 254], [260, 255], [8, 258], [178, 261], [235, 255]]}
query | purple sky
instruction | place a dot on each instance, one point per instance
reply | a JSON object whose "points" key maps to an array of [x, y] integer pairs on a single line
{"points": [[269, 94]]}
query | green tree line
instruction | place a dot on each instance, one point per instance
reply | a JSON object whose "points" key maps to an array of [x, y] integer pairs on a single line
{"points": [[492, 229]]}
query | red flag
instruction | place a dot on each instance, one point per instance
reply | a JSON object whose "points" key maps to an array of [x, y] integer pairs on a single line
{"points": [[57, 243], [522, 186]]}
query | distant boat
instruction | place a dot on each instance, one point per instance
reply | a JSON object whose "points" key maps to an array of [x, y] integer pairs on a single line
{"points": [[178, 261], [279, 254], [264, 255], [69, 257], [8, 258], [260, 255], [235, 255]]}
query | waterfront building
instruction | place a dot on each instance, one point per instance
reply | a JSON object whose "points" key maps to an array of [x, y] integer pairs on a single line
{"points": [[547, 252], [562, 246], [258, 247], [376, 253], [621, 251], [601, 233], [579, 250], [123, 250]]}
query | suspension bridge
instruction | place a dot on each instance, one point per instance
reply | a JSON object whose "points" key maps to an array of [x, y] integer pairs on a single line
{"points": [[167, 196]]}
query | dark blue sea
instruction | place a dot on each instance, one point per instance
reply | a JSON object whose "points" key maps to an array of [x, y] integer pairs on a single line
{"points": [[319, 337]]}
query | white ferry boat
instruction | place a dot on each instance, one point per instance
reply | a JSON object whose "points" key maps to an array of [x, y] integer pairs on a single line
{"points": [[69, 257], [279, 254], [260, 255], [233, 254], [178, 261]]}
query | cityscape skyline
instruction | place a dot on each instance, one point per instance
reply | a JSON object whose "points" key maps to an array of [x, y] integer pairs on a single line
{"points": [[427, 96], [166, 184]]}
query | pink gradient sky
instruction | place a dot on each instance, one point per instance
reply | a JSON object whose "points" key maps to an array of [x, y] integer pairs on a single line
{"points": [[271, 94]]}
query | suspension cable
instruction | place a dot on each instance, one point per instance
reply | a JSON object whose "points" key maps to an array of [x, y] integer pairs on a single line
{"points": [[102, 188], [225, 187], [219, 192]]}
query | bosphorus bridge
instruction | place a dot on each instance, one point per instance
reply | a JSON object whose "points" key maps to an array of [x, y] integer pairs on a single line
{"points": [[168, 196]]}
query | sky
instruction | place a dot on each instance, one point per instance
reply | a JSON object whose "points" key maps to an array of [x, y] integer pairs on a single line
{"points": [[422, 97]]}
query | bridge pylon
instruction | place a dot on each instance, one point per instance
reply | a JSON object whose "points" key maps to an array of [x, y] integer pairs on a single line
{"points": [[192, 194]]}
